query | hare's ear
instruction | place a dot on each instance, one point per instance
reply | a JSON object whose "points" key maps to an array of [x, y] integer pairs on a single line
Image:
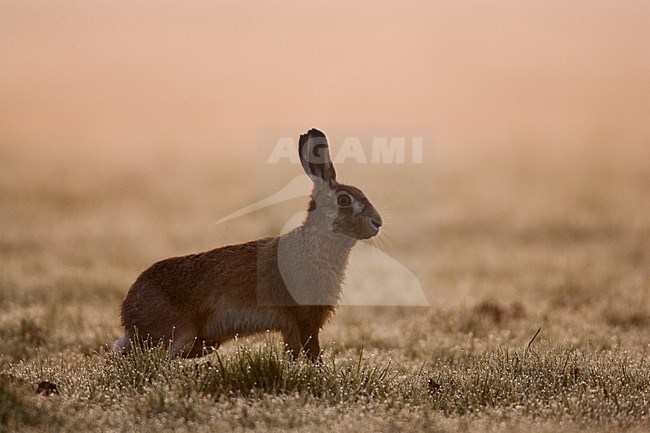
{"points": [[315, 156]]}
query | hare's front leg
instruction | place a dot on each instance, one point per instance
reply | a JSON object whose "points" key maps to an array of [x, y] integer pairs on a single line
{"points": [[304, 340], [311, 346], [291, 336]]}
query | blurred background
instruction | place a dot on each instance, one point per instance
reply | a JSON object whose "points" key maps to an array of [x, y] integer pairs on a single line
{"points": [[127, 128], [134, 75]]}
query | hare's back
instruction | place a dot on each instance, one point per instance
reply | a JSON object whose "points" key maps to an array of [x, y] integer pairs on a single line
{"points": [[200, 277]]}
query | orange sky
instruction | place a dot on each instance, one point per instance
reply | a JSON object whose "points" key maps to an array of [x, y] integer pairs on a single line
{"points": [[142, 73]]}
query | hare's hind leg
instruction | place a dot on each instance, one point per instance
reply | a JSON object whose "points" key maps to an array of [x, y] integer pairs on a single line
{"points": [[201, 348], [187, 347]]}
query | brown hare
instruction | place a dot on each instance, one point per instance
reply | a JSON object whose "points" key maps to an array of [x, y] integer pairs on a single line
{"points": [[291, 283]]}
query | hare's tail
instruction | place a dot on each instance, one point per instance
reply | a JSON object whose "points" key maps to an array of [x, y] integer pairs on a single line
{"points": [[122, 344]]}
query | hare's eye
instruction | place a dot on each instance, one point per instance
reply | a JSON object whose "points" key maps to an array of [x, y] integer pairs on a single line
{"points": [[344, 200]]}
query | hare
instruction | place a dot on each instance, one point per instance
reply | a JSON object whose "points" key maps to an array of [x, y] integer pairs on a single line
{"points": [[290, 283]]}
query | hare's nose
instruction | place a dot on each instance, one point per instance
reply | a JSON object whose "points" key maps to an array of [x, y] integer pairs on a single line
{"points": [[376, 222]]}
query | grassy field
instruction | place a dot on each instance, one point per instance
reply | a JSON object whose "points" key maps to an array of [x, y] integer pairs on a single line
{"points": [[503, 242]]}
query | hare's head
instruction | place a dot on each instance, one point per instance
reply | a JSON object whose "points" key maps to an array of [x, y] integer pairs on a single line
{"points": [[342, 208]]}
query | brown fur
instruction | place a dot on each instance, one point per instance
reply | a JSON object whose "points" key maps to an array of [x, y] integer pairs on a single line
{"points": [[289, 284]]}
